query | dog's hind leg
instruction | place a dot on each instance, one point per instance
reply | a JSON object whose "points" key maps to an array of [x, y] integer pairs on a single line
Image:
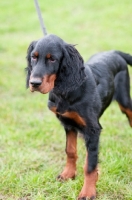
{"points": [[122, 94], [71, 151]]}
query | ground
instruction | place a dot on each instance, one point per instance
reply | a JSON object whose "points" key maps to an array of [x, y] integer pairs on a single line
{"points": [[32, 141]]}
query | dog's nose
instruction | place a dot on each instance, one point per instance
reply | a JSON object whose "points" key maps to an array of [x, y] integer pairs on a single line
{"points": [[35, 82]]}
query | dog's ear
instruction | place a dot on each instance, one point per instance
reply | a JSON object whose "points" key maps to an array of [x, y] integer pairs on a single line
{"points": [[28, 57], [71, 70]]}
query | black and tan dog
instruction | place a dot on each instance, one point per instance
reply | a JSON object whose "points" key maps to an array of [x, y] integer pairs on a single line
{"points": [[79, 94]]}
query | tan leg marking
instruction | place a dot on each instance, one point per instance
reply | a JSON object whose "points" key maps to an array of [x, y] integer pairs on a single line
{"points": [[128, 113], [71, 151], [89, 186]]}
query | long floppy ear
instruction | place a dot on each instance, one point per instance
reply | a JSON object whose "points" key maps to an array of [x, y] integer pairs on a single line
{"points": [[71, 71], [28, 57]]}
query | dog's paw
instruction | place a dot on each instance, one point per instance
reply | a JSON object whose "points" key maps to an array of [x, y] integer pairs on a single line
{"points": [[62, 177], [68, 172], [87, 193], [87, 198]]}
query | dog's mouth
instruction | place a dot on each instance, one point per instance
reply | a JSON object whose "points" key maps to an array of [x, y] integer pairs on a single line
{"points": [[43, 85]]}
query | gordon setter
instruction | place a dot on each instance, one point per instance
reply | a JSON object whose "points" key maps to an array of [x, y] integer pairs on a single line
{"points": [[78, 95]]}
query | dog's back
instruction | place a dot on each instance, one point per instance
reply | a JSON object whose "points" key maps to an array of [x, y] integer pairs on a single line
{"points": [[111, 75], [114, 61]]}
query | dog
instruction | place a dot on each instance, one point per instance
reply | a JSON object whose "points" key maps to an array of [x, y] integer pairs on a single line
{"points": [[78, 95]]}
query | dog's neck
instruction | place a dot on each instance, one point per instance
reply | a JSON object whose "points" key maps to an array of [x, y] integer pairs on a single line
{"points": [[64, 87]]}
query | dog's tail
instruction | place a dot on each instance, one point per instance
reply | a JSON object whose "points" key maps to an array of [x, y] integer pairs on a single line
{"points": [[127, 57]]}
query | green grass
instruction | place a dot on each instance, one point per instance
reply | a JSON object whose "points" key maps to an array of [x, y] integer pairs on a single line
{"points": [[32, 141]]}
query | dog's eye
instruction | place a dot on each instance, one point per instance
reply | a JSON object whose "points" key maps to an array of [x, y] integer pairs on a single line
{"points": [[51, 60], [34, 57]]}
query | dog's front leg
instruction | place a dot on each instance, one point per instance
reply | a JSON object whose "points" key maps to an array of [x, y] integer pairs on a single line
{"points": [[71, 151], [90, 167]]}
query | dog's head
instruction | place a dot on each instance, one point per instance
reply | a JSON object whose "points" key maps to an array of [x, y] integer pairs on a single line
{"points": [[52, 63]]}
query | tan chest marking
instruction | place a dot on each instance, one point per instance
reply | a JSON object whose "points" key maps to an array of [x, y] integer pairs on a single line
{"points": [[71, 115]]}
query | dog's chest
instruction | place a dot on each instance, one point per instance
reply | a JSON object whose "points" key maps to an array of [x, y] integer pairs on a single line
{"points": [[65, 111]]}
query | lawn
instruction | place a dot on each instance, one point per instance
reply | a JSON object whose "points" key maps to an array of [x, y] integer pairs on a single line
{"points": [[32, 141]]}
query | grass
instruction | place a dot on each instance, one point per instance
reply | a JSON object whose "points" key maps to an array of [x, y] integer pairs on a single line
{"points": [[32, 141]]}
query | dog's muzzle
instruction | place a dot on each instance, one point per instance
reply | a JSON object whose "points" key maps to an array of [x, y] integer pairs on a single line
{"points": [[35, 82], [43, 85]]}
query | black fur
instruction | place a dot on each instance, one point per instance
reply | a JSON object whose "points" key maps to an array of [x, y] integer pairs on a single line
{"points": [[86, 89], [29, 68], [67, 78]]}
